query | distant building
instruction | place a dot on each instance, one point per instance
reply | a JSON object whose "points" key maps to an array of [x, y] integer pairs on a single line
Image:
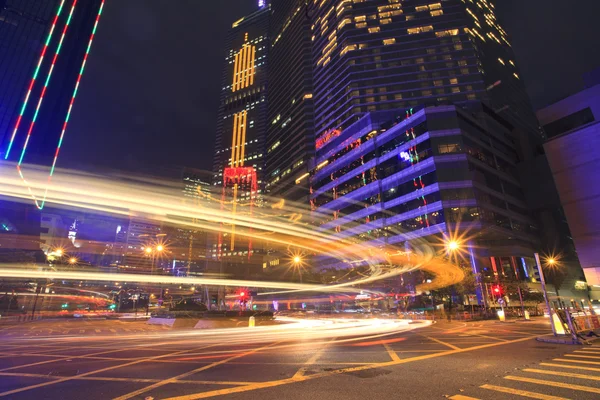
{"points": [[290, 129], [573, 126], [240, 142]]}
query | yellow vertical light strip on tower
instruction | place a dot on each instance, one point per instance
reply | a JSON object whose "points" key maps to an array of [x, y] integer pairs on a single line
{"points": [[241, 73], [252, 65], [234, 140], [243, 137], [236, 69], [238, 147], [247, 60]]}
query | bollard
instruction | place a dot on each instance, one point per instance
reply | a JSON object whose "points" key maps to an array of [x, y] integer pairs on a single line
{"points": [[251, 322], [501, 316]]}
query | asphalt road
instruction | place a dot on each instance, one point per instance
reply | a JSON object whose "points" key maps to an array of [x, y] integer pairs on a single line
{"points": [[486, 360]]}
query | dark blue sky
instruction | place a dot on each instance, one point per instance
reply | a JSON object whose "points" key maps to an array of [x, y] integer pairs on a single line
{"points": [[150, 94]]}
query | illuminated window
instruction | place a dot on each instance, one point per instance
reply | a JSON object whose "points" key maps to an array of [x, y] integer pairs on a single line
{"points": [[344, 22], [515, 75], [421, 8], [455, 89], [363, 46], [426, 93], [361, 25], [453, 81], [438, 82], [435, 6], [348, 48], [464, 71], [436, 13], [360, 18], [419, 60], [385, 21], [449, 32], [419, 29], [385, 14], [398, 96], [375, 29], [389, 41], [501, 61], [410, 17], [458, 46], [471, 96], [462, 63]]}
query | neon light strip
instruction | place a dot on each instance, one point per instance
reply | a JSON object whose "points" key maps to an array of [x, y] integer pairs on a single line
{"points": [[34, 78], [68, 116], [39, 105]]}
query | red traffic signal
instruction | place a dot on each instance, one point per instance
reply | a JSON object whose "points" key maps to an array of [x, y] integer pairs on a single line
{"points": [[242, 294], [497, 289]]}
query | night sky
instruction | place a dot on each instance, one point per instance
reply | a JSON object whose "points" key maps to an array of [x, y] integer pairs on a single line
{"points": [[150, 94]]}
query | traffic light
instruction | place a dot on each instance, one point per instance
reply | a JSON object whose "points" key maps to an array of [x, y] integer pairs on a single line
{"points": [[112, 306], [497, 290], [65, 305], [214, 298]]}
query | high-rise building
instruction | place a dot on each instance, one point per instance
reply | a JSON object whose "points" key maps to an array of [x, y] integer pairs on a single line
{"points": [[388, 54], [419, 111], [574, 130], [240, 142], [44, 46], [290, 131]]}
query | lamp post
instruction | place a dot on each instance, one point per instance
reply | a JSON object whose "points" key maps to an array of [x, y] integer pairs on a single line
{"points": [[297, 261], [543, 281]]}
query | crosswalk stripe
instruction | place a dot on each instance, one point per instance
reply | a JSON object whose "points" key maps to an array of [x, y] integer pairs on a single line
{"points": [[524, 393], [558, 373], [577, 361], [586, 352], [580, 356], [555, 384], [570, 366], [461, 397]]}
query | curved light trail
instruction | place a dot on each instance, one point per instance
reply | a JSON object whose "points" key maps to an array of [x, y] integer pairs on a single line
{"points": [[160, 201]]}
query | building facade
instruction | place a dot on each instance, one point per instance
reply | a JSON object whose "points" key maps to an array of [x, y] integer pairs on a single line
{"points": [[43, 49], [441, 173], [241, 130], [290, 131], [389, 54], [573, 125]]}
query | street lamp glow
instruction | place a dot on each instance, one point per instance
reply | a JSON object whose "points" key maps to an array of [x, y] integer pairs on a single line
{"points": [[453, 245], [72, 260], [160, 247], [148, 250], [551, 261], [58, 252], [297, 259]]}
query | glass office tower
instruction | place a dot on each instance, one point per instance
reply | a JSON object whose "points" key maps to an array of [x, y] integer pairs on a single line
{"points": [[240, 143]]}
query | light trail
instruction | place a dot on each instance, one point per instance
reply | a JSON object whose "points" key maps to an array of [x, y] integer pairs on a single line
{"points": [[306, 332], [160, 201]]}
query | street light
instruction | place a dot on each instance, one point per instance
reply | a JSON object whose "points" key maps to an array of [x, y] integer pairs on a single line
{"points": [[453, 245], [72, 260], [160, 247], [297, 260], [58, 252], [148, 250]]}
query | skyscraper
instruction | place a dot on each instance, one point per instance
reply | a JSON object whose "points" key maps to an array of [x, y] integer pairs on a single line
{"points": [[44, 46], [290, 131], [419, 109], [239, 154], [386, 54]]}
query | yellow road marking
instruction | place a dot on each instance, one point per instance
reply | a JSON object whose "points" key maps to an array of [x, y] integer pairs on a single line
{"points": [[523, 393], [311, 360], [391, 352], [555, 384], [586, 352], [570, 366], [579, 356], [174, 379], [114, 379], [269, 384], [91, 372], [453, 347], [461, 397], [558, 373], [577, 361]]}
